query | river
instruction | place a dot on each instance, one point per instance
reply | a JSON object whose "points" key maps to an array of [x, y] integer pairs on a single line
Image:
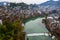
{"points": [[36, 30]]}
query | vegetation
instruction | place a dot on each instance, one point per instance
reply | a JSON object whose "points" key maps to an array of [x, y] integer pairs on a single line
{"points": [[13, 5], [12, 29], [22, 5]]}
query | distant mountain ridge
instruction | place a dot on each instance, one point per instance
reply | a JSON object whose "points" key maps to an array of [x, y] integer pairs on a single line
{"points": [[51, 3]]}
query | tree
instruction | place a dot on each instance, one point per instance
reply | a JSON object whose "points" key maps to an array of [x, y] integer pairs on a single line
{"points": [[12, 30], [23, 5], [13, 5]]}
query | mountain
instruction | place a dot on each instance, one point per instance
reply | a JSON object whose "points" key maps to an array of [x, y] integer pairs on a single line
{"points": [[57, 3], [50, 5]]}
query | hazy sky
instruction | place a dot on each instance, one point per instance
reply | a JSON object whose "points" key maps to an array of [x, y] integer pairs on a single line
{"points": [[26, 1]]}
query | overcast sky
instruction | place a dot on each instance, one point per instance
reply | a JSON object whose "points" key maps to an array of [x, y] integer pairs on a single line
{"points": [[26, 1]]}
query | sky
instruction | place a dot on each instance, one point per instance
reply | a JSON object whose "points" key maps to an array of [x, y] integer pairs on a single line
{"points": [[27, 1]]}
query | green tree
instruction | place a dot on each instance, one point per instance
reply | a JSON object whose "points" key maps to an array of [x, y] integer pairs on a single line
{"points": [[12, 30]]}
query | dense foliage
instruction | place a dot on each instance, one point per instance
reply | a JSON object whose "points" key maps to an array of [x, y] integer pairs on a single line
{"points": [[22, 5], [12, 30]]}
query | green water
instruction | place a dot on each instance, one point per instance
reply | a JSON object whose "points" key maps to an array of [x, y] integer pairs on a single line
{"points": [[39, 38], [36, 26]]}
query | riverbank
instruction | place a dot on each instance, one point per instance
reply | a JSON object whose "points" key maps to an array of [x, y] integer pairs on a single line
{"points": [[35, 26], [36, 30], [31, 18]]}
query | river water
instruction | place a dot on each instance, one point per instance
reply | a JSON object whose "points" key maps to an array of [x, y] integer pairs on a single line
{"points": [[36, 30]]}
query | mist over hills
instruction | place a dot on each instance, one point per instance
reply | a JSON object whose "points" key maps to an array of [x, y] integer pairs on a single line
{"points": [[49, 5], [50, 2]]}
